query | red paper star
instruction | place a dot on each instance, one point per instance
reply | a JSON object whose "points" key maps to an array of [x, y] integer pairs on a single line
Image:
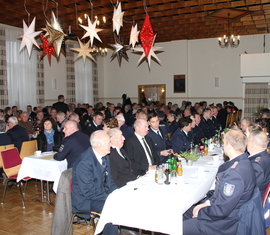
{"points": [[147, 35], [47, 49]]}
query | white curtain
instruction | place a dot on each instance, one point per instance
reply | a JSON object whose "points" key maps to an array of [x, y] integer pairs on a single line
{"points": [[83, 81], [21, 71]]}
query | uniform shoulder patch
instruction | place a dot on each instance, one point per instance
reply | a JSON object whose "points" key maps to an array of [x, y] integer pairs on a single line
{"points": [[234, 165], [228, 189], [257, 159], [61, 148]]}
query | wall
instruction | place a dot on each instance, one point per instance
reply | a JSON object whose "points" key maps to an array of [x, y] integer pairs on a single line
{"points": [[201, 60]]}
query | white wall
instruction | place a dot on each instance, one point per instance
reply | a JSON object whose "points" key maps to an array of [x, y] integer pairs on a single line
{"points": [[201, 60]]}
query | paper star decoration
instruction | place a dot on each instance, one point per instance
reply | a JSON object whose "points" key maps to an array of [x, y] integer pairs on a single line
{"points": [[91, 31], [151, 53], [117, 18], [47, 49], [84, 51], [56, 34], [28, 37], [119, 49], [134, 34], [147, 35]]}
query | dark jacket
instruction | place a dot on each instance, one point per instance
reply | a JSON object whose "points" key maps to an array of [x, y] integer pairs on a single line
{"points": [[5, 139], [60, 106], [180, 141], [18, 135], [42, 141], [71, 147], [91, 127], [90, 181], [127, 131], [121, 169]]}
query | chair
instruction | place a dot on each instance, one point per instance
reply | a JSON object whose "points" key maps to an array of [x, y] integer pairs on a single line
{"points": [[266, 206], [228, 119], [28, 148], [11, 165], [2, 148]]}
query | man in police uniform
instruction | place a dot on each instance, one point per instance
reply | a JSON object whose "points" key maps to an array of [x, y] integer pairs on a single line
{"points": [[73, 144], [235, 183], [260, 159]]}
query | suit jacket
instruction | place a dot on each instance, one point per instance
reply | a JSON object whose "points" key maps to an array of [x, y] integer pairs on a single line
{"points": [[5, 139], [222, 116], [196, 134], [108, 114], [91, 127], [207, 130], [160, 143], [121, 169], [261, 163], [180, 141], [137, 155], [127, 131], [172, 127], [28, 126], [71, 147], [18, 135], [90, 181], [60, 106]]}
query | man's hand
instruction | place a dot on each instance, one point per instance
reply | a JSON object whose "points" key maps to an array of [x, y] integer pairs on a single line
{"points": [[197, 208], [166, 152]]}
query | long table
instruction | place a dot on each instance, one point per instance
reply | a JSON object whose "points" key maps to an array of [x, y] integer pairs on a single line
{"points": [[144, 204], [42, 167]]}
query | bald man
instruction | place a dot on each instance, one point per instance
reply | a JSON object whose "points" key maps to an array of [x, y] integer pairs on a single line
{"points": [[73, 144], [260, 159], [140, 149]]}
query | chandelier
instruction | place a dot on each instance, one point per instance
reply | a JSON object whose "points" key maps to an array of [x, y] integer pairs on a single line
{"points": [[230, 40]]}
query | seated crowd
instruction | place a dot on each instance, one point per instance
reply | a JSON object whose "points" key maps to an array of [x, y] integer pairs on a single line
{"points": [[127, 140]]}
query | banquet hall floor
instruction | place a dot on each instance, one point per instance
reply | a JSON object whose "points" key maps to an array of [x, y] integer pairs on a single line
{"points": [[36, 218]]}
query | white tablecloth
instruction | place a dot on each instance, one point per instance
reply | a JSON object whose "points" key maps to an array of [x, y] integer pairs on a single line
{"points": [[159, 208], [42, 167]]}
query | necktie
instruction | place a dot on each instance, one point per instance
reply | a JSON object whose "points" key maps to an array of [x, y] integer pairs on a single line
{"points": [[159, 134], [147, 150], [103, 162], [123, 154]]}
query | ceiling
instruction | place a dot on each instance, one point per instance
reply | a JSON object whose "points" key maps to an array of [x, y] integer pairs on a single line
{"points": [[171, 19]]}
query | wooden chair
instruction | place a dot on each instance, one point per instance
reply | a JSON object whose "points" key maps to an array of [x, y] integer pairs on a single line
{"points": [[11, 165], [28, 148], [239, 115], [228, 120], [2, 148]]}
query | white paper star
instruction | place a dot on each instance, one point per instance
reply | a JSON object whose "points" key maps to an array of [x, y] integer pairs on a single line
{"points": [[28, 37], [84, 51], [56, 34], [117, 18], [134, 34], [151, 53], [91, 31]]}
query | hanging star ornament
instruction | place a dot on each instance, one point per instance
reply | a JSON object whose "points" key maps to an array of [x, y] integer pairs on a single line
{"points": [[150, 54], [47, 49], [84, 51], [120, 49], [28, 37], [134, 34], [117, 18], [91, 31], [56, 34], [147, 35]]}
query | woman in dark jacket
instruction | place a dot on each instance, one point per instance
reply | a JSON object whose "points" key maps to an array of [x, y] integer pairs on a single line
{"points": [[49, 137]]}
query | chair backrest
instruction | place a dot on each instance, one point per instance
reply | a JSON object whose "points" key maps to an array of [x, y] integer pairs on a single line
{"points": [[2, 148], [228, 120], [28, 148], [11, 161]]}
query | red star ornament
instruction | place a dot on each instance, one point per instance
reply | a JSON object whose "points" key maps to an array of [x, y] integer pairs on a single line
{"points": [[147, 35], [47, 49]]}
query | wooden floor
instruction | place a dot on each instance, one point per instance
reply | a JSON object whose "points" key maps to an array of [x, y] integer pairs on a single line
{"points": [[36, 218]]}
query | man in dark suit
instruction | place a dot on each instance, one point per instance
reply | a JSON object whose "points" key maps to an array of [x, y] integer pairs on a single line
{"points": [[109, 113], [60, 105], [140, 149], [73, 144], [180, 138], [204, 124], [121, 169], [222, 115], [89, 116], [196, 133], [4, 137], [91, 178], [234, 187], [260, 159], [95, 124], [160, 138], [127, 131], [17, 133]]}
